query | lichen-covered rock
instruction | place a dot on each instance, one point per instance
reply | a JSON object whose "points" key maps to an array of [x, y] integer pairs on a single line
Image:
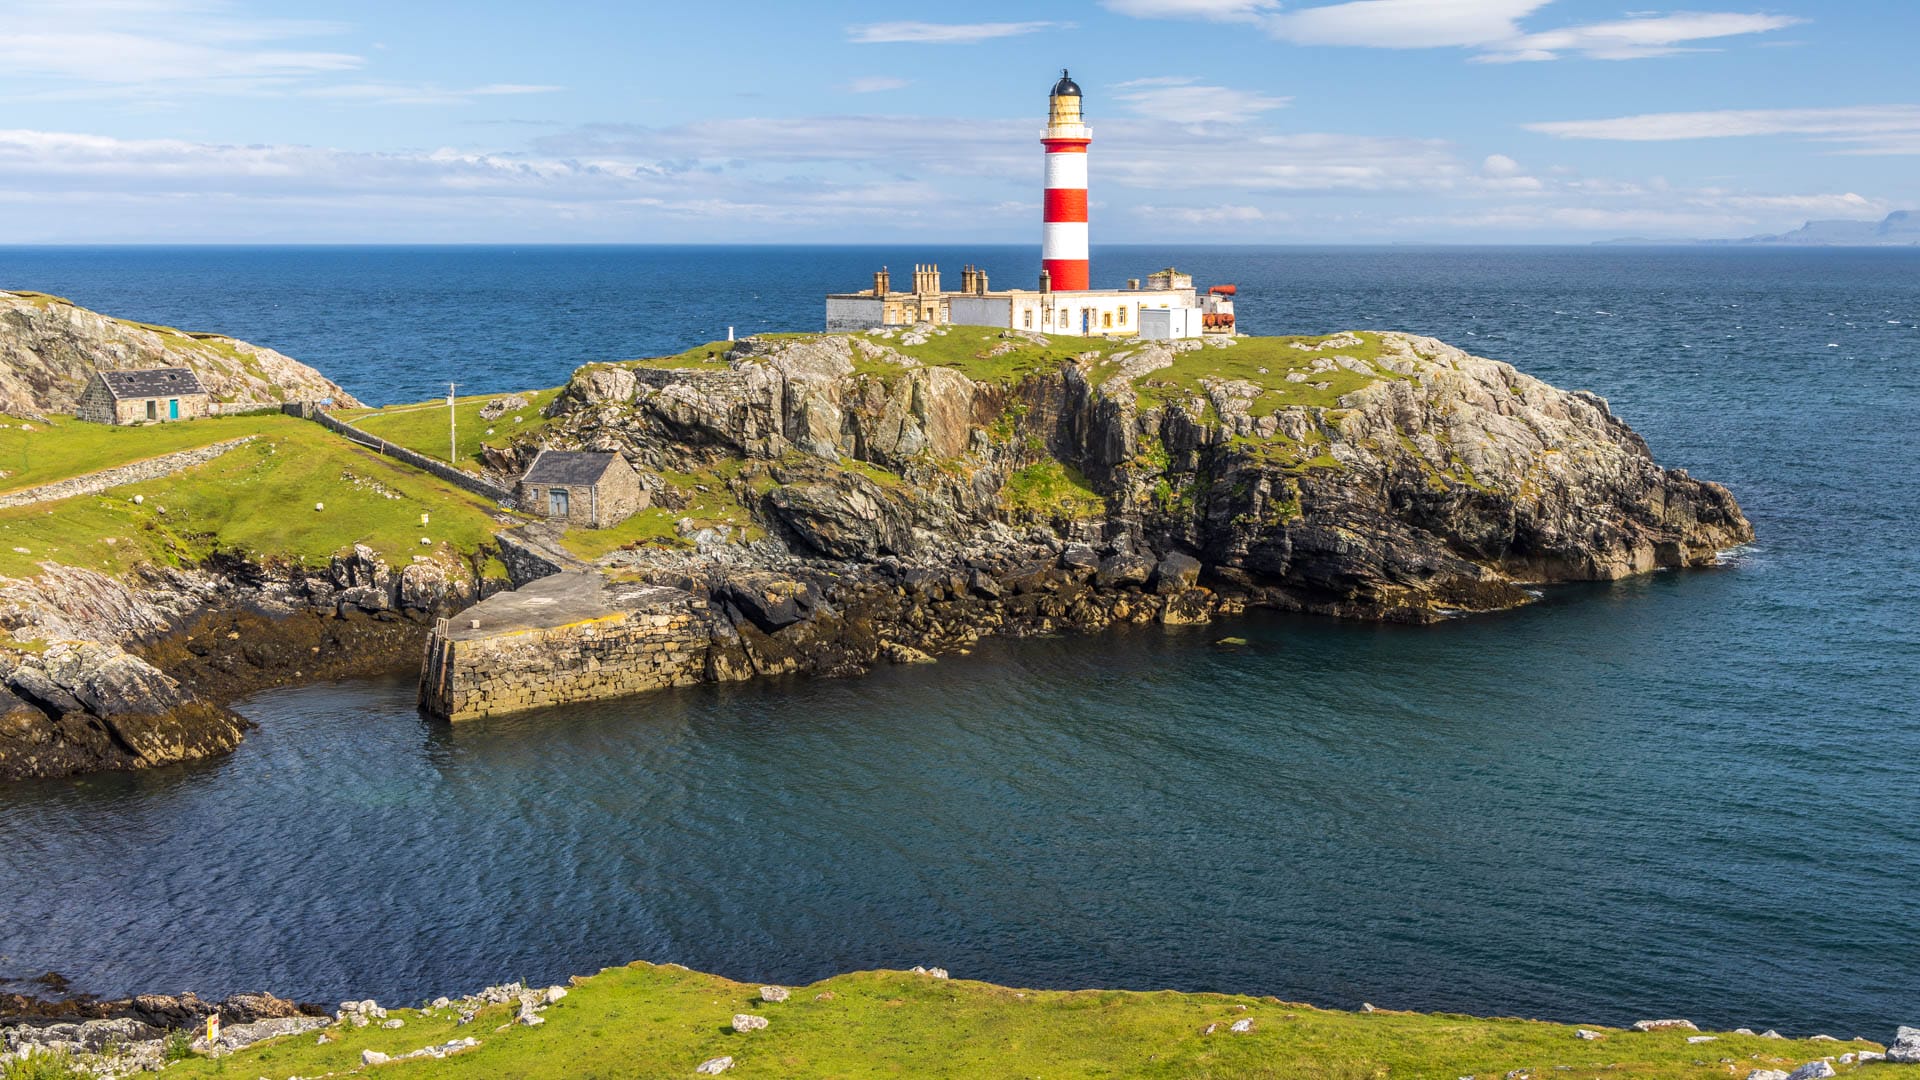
{"points": [[85, 705], [50, 347], [1441, 482]]}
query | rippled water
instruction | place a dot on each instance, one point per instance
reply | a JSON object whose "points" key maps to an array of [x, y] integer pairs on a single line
{"points": [[1688, 794]]}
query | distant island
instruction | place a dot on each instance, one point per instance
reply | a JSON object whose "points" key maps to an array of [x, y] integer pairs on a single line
{"points": [[1898, 229]]}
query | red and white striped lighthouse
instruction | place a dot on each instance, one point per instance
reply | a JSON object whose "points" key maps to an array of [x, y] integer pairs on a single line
{"points": [[1063, 239]]}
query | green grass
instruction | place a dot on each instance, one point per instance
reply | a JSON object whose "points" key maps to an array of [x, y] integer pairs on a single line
{"points": [[56, 1066], [423, 426], [657, 525], [1051, 489], [648, 1021], [964, 349], [1266, 362], [34, 453], [255, 500], [713, 354]]}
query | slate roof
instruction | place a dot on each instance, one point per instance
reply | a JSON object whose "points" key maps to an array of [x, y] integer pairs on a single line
{"points": [[152, 382], [568, 467]]}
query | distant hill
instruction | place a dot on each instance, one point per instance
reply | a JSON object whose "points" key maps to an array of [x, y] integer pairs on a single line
{"points": [[1900, 228]]}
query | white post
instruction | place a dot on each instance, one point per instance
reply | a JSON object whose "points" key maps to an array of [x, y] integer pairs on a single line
{"points": [[729, 333], [453, 441]]}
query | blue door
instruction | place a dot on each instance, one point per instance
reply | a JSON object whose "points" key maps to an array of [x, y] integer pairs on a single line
{"points": [[173, 408]]}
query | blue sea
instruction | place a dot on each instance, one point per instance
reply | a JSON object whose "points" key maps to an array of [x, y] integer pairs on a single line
{"points": [[1688, 794]]}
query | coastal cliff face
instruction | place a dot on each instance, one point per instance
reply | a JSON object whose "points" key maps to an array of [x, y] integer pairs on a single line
{"points": [[1381, 476], [50, 347], [130, 674]]}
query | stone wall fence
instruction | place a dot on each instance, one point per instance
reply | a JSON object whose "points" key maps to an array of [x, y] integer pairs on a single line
{"points": [[91, 483], [460, 478]]}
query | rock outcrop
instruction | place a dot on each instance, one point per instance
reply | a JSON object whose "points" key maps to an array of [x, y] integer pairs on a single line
{"points": [[49, 347], [107, 687], [1381, 476], [85, 706]]}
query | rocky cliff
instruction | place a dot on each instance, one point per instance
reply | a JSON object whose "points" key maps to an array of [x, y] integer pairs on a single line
{"points": [[49, 347], [132, 673], [1377, 475]]}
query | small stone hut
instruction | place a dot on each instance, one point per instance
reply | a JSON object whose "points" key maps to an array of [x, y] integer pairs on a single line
{"points": [[581, 488], [145, 396]]}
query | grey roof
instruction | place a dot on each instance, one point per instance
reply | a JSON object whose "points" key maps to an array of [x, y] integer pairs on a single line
{"points": [[152, 382], [568, 467]]}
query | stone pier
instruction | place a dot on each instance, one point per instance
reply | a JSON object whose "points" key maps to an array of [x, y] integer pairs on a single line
{"points": [[566, 638]]}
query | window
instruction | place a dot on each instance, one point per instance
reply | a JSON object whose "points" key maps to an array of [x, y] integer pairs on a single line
{"points": [[1123, 316], [1063, 318], [557, 502], [1029, 318], [1106, 320]]}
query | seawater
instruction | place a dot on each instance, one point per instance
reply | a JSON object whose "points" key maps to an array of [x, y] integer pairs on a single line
{"points": [[1688, 794]]}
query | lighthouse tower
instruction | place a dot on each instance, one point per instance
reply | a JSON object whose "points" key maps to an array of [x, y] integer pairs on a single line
{"points": [[1063, 240]]}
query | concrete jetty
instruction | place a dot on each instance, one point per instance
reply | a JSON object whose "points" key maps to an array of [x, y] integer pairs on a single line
{"points": [[565, 638]]}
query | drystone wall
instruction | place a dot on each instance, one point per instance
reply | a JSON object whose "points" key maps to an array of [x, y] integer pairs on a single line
{"points": [[150, 469], [466, 481]]}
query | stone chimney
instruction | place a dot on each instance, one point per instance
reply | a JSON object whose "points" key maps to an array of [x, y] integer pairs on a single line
{"points": [[882, 282], [1046, 281]]}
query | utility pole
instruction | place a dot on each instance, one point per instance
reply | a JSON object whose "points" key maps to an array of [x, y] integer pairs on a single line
{"points": [[453, 440]]}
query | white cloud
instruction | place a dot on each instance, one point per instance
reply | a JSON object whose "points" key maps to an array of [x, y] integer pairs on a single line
{"points": [[926, 33], [1183, 100], [1633, 38], [386, 93], [1205, 217], [1688, 215], [838, 177], [153, 48], [1214, 10], [1858, 129], [1492, 27], [874, 84], [1404, 24], [1499, 165]]}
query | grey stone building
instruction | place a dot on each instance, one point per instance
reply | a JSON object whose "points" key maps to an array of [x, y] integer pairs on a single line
{"points": [[146, 396], [581, 488]]}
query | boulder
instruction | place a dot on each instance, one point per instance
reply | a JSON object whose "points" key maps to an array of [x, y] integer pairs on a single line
{"points": [[773, 602], [1079, 557], [1664, 1025], [773, 993], [501, 406], [101, 708], [745, 1022], [1812, 1070], [846, 516], [1175, 572], [714, 1066]]}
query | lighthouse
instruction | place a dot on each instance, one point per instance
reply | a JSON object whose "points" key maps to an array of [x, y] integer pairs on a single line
{"points": [[1063, 238], [1166, 307]]}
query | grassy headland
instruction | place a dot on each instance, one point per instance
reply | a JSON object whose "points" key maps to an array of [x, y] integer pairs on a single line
{"points": [[653, 1021], [256, 500], [422, 426]]}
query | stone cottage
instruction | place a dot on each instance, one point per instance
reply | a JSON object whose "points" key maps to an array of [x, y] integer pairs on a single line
{"points": [[146, 396], [581, 488]]}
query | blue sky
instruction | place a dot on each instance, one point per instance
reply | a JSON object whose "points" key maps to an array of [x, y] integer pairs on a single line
{"points": [[1214, 120]]}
